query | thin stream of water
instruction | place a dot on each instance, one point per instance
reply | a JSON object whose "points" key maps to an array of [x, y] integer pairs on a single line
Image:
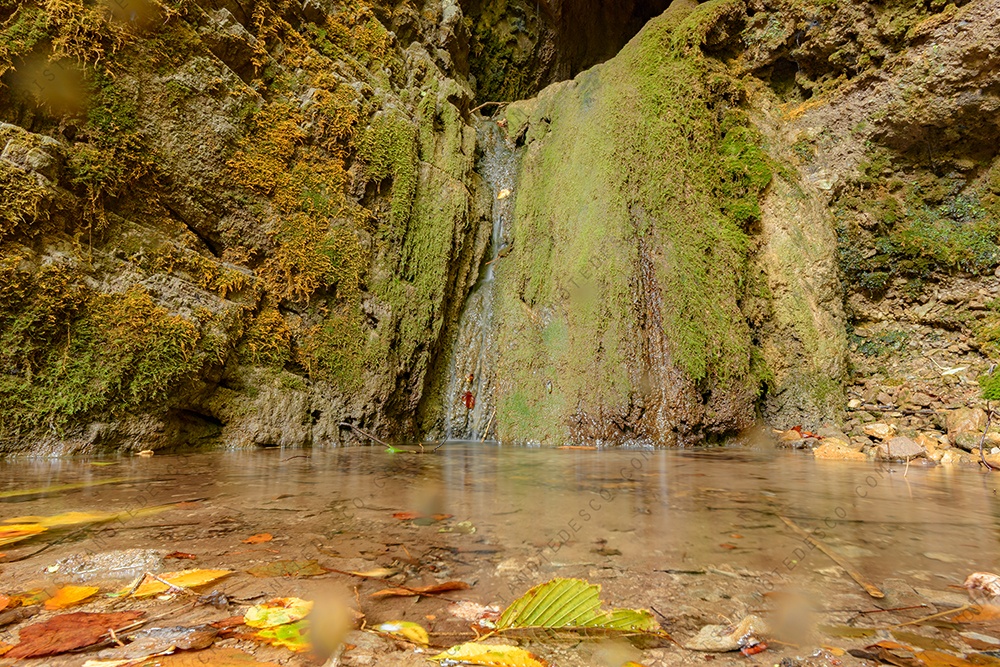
{"points": [[468, 402]]}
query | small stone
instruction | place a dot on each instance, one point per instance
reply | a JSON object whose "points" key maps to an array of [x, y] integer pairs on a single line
{"points": [[880, 430], [837, 451], [965, 420], [954, 456], [831, 433], [854, 403], [884, 398], [921, 400], [722, 638], [995, 450], [928, 442], [967, 441], [900, 448]]}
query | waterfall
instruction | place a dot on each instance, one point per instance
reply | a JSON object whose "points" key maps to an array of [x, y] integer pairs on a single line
{"points": [[469, 405]]}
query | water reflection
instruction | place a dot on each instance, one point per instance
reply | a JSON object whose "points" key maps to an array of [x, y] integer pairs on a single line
{"points": [[648, 509]]}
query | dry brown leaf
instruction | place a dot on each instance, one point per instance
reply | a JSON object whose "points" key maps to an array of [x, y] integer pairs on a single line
{"points": [[68, 632], [407, 591], [215, 656], [259, 538], [67, 596]]}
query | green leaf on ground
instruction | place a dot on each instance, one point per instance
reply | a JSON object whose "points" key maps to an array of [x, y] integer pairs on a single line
{"points": [[573, 604], [277, 612]]}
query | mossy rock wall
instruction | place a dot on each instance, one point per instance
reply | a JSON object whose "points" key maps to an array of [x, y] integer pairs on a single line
{"points": [[634, 303], [228, 223]]}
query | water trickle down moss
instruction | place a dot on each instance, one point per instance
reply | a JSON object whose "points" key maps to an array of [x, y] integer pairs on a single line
{"points": [[631, 151]]}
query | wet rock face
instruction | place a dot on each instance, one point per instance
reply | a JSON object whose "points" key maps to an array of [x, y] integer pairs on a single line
{"points": [[245, 228], [520, 46]]}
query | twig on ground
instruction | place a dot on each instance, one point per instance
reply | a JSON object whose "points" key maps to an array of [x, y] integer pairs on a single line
{"points": [[989, 420], [870, 588], [363, 432]]}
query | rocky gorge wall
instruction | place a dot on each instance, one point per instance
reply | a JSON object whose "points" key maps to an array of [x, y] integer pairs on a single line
{"points": [[248, 223]]}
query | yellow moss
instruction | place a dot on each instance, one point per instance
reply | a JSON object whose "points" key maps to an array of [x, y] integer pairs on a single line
{"points": [[261, 162], [268, 340]]}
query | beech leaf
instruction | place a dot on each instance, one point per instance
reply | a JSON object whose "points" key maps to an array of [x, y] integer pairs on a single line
{"points": [[574, 605], [494, 655], [67, 596], [182, 579]]}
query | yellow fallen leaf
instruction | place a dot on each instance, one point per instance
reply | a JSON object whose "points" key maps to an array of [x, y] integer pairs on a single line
{"points": [[60, 487], [493, 655], [67, 596], [503, 194], [18, 532], [65, 519], [277, 612], [183, 579], [377, 573], [407, 630]]}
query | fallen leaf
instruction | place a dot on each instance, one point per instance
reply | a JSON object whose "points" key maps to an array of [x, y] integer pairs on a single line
{"points": [[68, 632], [180, 555], [18, 532], [4, 601], [146, 453], [61, 487], [259, 538], [493, 655], [213, 657], [157, 641], [923, 642], [277, 612], [576, 447], [28, 598], [573, 605], [408, 630], [407, 591], [980, 613], [67, 596], [293, 636], [726, 545], [377, 573], [288, 568], [4, 648], [933, 658], [405, 516], [182, 579], [503, 194]]}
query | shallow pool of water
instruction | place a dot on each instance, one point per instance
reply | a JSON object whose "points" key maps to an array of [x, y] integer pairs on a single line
{"points": [[693, 533]]}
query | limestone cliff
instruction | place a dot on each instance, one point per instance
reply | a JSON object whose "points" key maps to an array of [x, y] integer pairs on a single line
{"points": [[246, 223]]}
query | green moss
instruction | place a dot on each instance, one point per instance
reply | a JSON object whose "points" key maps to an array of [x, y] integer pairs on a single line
{"points": [[23, 31], [389, 149], [989, 386], [645, 156], [925, 224], [69, 353]]}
